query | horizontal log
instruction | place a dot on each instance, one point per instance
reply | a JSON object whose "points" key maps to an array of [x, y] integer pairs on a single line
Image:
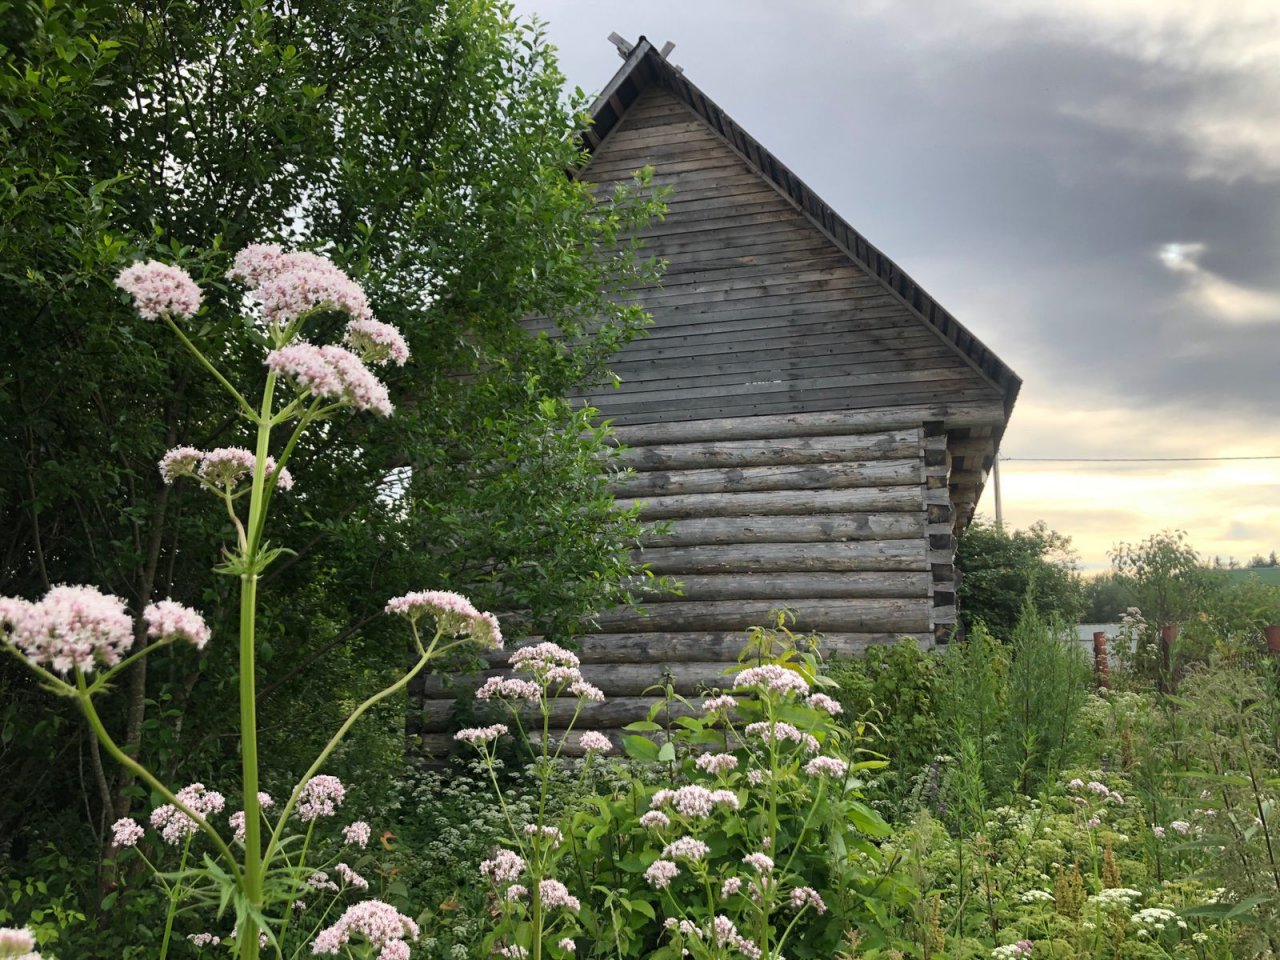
{"points": [[893, 444], [792, 358], [781, 587], [810, 424], [715, 645], [894, 555], [437, 715], [615, 679], [902, 499], [822, 476], [847, 616], [825, 528]]}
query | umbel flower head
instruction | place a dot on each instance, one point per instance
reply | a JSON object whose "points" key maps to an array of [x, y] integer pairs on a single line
{"points": [[453, 613], [331, 373], [160, 290], [73, 626], [293, 285]]}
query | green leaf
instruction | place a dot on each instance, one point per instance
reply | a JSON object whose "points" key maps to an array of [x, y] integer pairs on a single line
{"points": [[640, 748]]}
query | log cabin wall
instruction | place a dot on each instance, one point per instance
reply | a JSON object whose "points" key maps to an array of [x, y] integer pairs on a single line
{"points": [[810, 427]]}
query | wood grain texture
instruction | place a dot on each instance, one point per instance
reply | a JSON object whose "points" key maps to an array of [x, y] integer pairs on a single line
{"points": [[900, 499], [891, 555], [822, 476], [907, 615], [824, 528], [890, 445]]}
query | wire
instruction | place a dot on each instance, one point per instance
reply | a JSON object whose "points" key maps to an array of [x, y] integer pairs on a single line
{"points": [[1128, 459]]}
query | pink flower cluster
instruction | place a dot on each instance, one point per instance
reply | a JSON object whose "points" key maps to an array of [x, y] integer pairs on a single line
{"points": [[333, 373], [481, 735], [655, 820], [376, 342], [554, 670], [504, 867], [350, 877], [381, 924], [725, 934], [546, 834], [716, 763], [720, 704], [594, 742], [357, 834], [73, 626], [820, 701], [222, 468], [174, 825], [293, 285], [170, 620], [660, 873], [762, 862], [802, 897], [773, 677], [126, 832], [778, 732], [686, 848], [204, 939], [321, 797], [826, 767], [160, 290], [454, 614], [236, 820], [556, 894], [694, 801]]}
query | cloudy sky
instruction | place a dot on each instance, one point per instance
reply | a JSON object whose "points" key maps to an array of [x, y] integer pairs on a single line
{"points": [[1091, 186]]}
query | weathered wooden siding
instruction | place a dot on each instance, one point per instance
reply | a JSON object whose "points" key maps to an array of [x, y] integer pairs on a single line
{"points": [[842, 524], [759, 312]]}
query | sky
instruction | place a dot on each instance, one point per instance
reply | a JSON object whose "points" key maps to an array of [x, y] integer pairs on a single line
{"points": [[1092, 187]]}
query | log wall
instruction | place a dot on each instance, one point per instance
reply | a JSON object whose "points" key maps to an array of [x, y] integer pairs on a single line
{"points": [[848, 524]]}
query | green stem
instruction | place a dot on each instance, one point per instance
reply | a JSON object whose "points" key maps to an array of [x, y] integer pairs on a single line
{"points": [[253, 866], [138, 770], [174, 895], [337, 738], [204, 361]]}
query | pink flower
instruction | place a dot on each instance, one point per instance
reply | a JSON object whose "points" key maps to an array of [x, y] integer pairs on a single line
{"points": [[454, 614], [17, 942], [480, 735], [661, 873], [517, 891], [594, 742], [174, 825], [716, 763], [170, 620], [227, 466], [160, 290], [778, 732], [730, 887], [333, 373], [73, 626], [826, 767], [308, 286], [376, 342], [256, 262], [320, 797], [350, 877], [807, 897], [773, 677], [723, 703], [820, 701], [555, 894], [513, 951], [126, 832], [586, 691], [509, 689], [686, 848], [179, 462], [551, 834], [357, 834], [540, 657], [655, 820], [567, 945], [762, 862], [505, 867], [320, 881], [379, 923], [236, 821], [204, 939], [1159, 832]]}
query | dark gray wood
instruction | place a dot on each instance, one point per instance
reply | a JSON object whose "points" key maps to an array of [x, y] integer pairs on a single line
{"points": [[890, 555], [897, 444], [715, 645], [779, 587], [614, 679], [853, 616], [779, 503], [825, 528], [808, 424], [823, 476]]}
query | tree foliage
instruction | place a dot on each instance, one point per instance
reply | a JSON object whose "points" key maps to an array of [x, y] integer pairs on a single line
{"points": [[1000, 572], [423, 145]]}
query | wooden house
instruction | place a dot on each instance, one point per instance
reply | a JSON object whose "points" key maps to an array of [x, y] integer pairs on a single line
{"points": [[812, 425]]}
